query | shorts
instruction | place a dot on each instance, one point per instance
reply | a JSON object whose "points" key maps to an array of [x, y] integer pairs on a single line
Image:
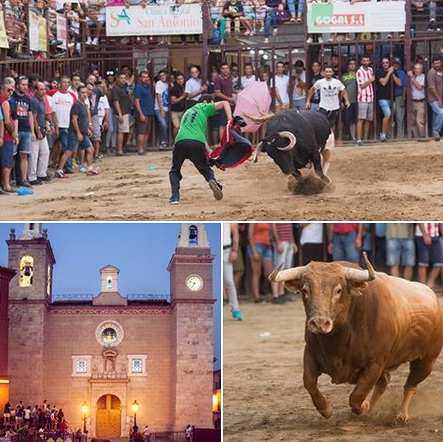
{"points": [[175, 118], [285, 257], [350, 114], [263, 250], [96, 128], [331, 115], [385, 106], [63, 135], [7, 155], [366, 111], [431, 254], [123, 128], [143, 127], [24, 143], [400, 252], [74, 144]]}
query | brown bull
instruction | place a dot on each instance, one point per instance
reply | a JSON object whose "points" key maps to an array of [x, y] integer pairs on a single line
{"points": [[360, 326]]}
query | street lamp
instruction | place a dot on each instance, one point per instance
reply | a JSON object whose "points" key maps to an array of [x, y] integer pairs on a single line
{"points": [[85, 410], [135, 409]]}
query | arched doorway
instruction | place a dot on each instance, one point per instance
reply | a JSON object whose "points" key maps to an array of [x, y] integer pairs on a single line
{"points": [[108, 416]]}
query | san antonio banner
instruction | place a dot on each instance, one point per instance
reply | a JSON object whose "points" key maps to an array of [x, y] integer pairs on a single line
{"points": [[154, 20], [387, 16]]}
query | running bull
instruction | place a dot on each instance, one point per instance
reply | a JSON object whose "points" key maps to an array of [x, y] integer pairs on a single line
{"points": [[296, 139], [360, 326]]}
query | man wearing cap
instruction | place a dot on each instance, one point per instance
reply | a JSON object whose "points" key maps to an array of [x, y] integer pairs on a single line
{"points": [[399, 75]]}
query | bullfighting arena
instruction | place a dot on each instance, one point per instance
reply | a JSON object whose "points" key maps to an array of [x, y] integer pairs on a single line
{"points": [[264, 397], [378, 182]]}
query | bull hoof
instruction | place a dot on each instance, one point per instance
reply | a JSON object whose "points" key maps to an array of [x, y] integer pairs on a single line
{"points": [[292, 182], [326, 180], [327, 411], [401, 418]]}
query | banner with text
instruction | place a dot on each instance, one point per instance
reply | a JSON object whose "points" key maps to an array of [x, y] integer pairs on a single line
{"points": [[62, 30], [154, 20], [3, 38], [38, 34], [389, 16]]}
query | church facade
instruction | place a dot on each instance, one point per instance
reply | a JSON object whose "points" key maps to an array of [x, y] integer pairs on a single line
{"points": [[110, 351]]}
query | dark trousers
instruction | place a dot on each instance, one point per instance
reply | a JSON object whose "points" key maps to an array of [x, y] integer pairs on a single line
{"points": [[188, 150]]}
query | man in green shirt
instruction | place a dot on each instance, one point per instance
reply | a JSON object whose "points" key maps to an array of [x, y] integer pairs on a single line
{"points": [[190, 143]]}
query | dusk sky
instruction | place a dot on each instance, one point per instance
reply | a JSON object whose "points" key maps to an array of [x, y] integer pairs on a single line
{"points": [[140, 250]]}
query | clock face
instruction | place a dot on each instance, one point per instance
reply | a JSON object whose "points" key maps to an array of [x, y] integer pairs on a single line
{"points": [[194, 283], [109, 333]]}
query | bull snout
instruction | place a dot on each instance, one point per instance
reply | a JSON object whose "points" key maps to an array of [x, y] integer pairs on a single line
{"points": [[320, 324]]}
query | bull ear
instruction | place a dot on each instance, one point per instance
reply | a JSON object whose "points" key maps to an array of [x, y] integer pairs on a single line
{"points": [[357, 288], [293, 286]]}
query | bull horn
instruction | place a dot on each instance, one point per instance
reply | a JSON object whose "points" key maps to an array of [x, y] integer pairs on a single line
{"points": [[257, 151], [361, 275], [258, 119], [286, 275], [292, 139]]}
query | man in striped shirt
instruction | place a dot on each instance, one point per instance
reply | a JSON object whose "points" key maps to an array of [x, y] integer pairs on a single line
{"points": [[365, 99]]}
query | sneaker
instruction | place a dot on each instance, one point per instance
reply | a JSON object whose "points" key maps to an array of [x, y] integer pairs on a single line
{"points": [[60, 174], [46, 178], [216, 189], [320, 40], [89, 41], [95, 42], [82, 169], [275, 31], [383, 138], [124, 40], [359, 143], [69, 170], [174, 202], [236, 315], [309, 40], [35, 182], [25, 184], [436, 137], [266, 41], [164, 145]]}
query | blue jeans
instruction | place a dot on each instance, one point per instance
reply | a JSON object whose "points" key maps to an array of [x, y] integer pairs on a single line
{"points": [[437, 118], [64, 141], [163, 123], [300, 5], [343, 247], [270, 21]]}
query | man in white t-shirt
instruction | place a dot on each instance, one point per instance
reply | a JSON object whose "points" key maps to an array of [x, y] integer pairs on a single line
{"points": [[161, 106], [331, 90], [63, 99], [281, 88], [194, 87], [249, 77]]}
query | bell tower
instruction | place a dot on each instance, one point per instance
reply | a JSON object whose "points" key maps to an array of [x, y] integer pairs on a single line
{"points": [[30, 293], [191, 285], [191, 265], [31, 256]]}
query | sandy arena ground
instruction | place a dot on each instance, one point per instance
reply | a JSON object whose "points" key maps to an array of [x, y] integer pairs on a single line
{"points": [[379, 182], [264, 397]]}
